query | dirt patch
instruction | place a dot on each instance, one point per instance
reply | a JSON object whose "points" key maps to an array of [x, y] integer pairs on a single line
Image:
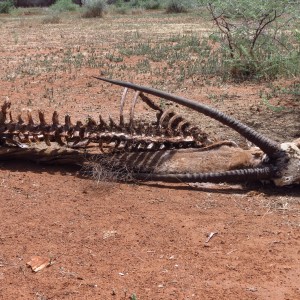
{"points": [[111, 240], [114, 240]]}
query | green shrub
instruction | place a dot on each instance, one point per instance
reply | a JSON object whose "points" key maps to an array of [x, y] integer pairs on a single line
{"points": [[153, 4], [176, 6], [64, 5], [255, 38], [6, 6], [94, 9], [136, 3]]}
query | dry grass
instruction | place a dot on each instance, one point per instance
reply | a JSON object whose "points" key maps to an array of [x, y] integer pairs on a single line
{"points": [[282, 204], [51, 19], [106, 169]]}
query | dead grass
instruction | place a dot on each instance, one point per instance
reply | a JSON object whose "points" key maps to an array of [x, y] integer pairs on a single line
{"points": [[51, 19], [282, 204], [105, 169]]}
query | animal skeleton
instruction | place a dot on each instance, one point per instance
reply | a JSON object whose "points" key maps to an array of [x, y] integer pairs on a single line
{"points": [[169, 149]]}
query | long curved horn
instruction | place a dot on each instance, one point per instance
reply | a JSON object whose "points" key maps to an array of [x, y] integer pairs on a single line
{"points": [[218, 177], [269, 146]]}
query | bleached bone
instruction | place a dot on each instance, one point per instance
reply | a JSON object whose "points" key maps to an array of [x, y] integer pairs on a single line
{"points": [[132, 135]]}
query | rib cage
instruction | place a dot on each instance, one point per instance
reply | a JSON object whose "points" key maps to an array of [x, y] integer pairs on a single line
{"points": [[269, 146], [169, 131]]}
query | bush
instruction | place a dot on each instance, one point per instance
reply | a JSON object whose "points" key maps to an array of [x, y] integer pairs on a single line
{"points": [[255, 38], [109, 2], [6, 7], [135, 3], [176, 6], [64, 5], [94, 9], [153, 4]]}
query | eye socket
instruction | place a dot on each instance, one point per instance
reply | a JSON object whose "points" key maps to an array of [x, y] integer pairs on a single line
{"points": [[288, 178]]}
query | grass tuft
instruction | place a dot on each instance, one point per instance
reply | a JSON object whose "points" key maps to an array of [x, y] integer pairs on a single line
{"points": [[51, 19], [94, 9], [176, 7], [104, 168]]}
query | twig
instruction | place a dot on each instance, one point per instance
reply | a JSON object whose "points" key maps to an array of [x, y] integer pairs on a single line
{"points": [[210, 236]]}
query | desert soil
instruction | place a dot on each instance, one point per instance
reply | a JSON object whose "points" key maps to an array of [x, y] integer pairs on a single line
{"points": [[144, 240]]}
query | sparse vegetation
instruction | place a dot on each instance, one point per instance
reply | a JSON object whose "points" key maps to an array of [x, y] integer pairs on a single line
{"points": [[94, 9], [6, 6], [255, 38], [277, 97], [137, 11], [64, 5], [176, 6], [177, 58], [133, 297], [51, 19], [153, 4]]}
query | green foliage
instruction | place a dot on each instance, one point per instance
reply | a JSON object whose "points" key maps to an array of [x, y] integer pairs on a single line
{"points": [[255, 37], [146, 4], [176, 6], [6, 6], [133, 297], [94, 9], [171, 6], [136, 3], [64, 5], [153, 4]]}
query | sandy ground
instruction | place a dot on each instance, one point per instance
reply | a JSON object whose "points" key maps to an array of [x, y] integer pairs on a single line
{"points": [[135, 241]]}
